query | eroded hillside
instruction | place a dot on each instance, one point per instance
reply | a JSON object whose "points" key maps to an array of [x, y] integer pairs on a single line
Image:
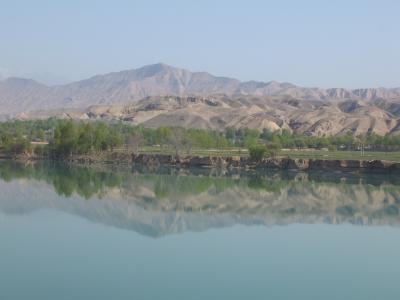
{"points": [[313, 117]]}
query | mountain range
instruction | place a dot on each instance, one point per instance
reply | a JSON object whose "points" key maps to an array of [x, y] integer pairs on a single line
{"points": [[179, 97]]}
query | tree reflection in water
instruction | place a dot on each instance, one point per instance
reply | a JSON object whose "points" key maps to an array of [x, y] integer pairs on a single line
{"points": [[171, 200]]}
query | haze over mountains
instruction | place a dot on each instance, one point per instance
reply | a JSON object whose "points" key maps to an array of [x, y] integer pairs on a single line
{"points": [[214, 102]]}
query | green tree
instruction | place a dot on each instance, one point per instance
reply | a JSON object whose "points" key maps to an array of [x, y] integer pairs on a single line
{"points": [[114, 139], [257, 152], [65, 138], [273, 149]]}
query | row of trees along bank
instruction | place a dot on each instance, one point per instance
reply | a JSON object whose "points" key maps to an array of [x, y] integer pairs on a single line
{"points": [[78, 137]]}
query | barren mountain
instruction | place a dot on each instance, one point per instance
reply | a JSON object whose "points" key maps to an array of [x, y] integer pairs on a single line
{"points": [[159, 94], [21, 95], [312, 117]]}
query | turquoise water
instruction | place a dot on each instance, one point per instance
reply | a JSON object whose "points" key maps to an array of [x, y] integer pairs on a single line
{"points": [[73, 233]]}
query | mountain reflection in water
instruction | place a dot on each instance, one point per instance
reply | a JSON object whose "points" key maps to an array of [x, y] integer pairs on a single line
{"points": [[171, 201]]}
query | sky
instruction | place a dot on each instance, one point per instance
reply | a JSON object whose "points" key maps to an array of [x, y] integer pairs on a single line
{"points": [[322, 43]]}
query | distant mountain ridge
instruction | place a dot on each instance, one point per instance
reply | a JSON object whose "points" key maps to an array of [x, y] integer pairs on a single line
{"points": [[19, 95]]}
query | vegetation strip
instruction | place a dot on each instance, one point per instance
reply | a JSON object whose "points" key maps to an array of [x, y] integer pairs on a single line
{"points": [[62, 139]]}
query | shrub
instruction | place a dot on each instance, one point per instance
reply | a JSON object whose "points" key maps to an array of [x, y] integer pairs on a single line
{"points": [[257, 152], [332, 148], [20, 146], [273, 149]]}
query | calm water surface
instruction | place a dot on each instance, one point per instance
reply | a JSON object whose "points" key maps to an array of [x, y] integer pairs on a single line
{"points": [[78, 233]]}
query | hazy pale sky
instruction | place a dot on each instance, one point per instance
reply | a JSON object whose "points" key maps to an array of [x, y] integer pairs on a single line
{"points": [[311, 43]]}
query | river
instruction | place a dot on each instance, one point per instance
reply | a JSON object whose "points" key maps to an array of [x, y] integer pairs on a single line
{"points": [[71, 232]]}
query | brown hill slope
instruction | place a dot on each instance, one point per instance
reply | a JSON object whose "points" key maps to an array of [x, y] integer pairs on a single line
{"points": [[314, 117]]}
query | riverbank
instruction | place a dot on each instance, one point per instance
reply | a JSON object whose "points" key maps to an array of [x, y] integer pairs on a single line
{"points": [[232, 162], [236, 162]]}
